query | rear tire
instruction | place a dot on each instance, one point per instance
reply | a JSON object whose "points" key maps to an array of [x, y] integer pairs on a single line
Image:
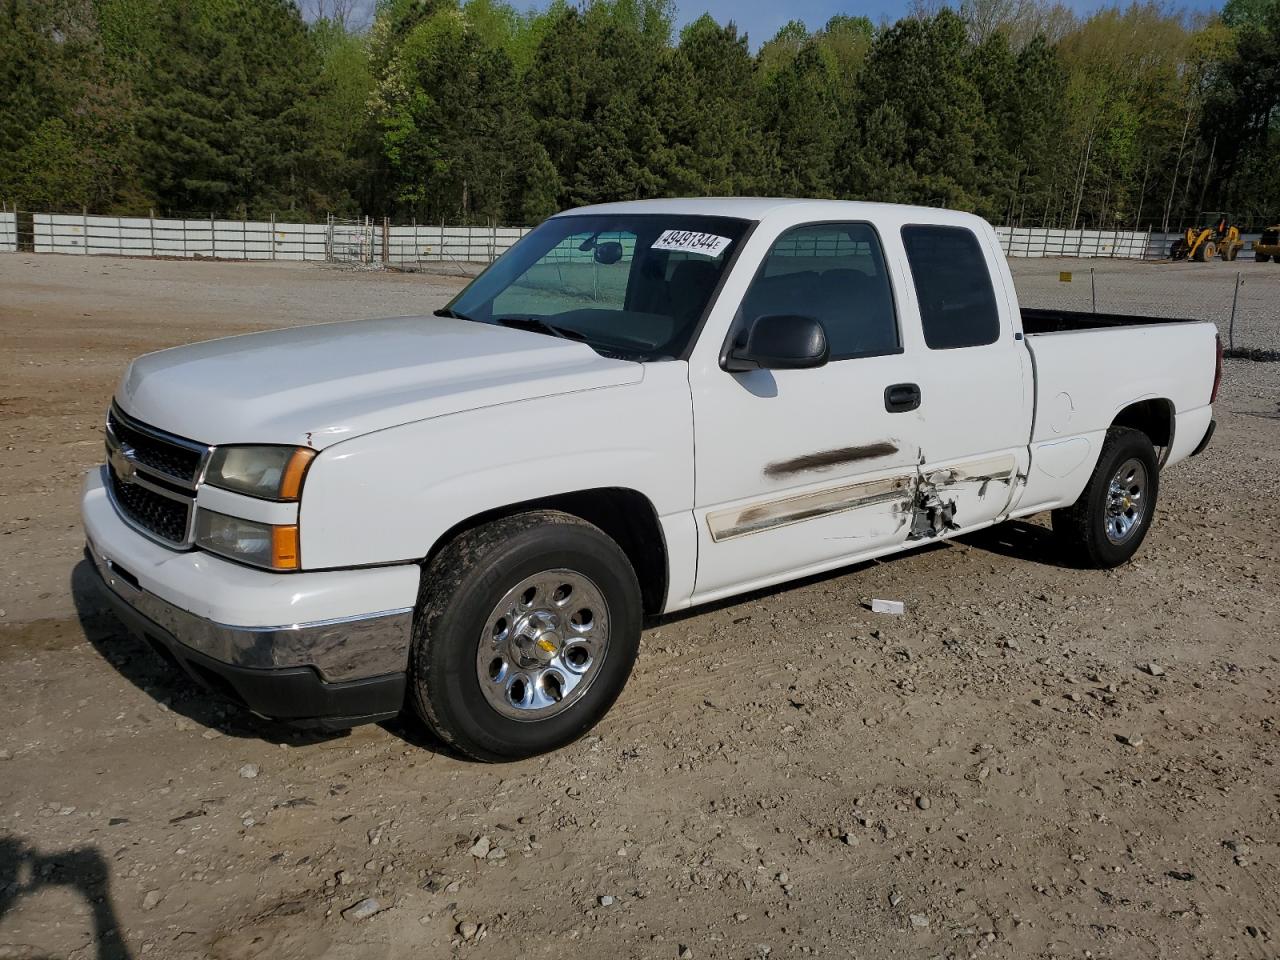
{"points": [[1107, 525], [1262, 257]]}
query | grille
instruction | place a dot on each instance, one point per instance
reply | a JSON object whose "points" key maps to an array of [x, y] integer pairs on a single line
{"points": [[1270, 237], [168, 459], [163, 516], [153, 477]]}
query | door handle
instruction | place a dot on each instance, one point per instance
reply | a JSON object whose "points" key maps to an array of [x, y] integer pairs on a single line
{"points": [[901, 397]]}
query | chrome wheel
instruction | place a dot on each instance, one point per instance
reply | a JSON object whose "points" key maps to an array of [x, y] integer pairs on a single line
{"points": [[543, 645], [1126, 500]]}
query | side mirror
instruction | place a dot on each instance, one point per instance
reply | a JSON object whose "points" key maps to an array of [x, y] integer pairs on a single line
{"points": [[780, 342], [608, 253]]}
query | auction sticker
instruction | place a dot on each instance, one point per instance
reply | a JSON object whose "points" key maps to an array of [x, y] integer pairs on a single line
{"points": [[686, 241]]}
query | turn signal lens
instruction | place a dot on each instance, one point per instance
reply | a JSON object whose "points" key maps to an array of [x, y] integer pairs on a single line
{"points": [[294, 471], [284, 548]]}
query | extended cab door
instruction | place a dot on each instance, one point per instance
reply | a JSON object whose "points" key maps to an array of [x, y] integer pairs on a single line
{"points": [[799, 470], [975, 376]]}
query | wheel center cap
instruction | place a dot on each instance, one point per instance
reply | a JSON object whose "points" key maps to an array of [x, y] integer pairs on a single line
{"points": [[537, 640]]}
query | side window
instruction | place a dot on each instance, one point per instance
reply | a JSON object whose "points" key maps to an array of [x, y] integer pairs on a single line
{"points": [[835, 273], [953, 285], [569, 277]]}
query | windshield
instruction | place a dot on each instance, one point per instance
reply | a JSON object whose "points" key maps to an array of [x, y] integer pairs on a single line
{"points": [[632, 286]]}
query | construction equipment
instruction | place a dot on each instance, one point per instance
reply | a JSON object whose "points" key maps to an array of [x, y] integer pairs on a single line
{"points": [[1268, 245], [1204, 243]]}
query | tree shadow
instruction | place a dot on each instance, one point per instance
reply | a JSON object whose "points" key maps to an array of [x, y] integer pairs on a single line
{"points": [[25, 871], [153, 671], [1020, 540]]}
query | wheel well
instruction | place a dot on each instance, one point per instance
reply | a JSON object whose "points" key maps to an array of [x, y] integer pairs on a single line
{"points": [[1152, 417], [625, 515]]}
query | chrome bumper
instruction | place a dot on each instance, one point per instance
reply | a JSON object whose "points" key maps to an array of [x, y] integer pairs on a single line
{"points": [[350, 648]]}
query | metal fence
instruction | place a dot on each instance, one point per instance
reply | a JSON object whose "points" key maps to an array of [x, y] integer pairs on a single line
{"points": [[1106, 271], [372, 241], [158, 237], [342, 241], [1032, 242]]}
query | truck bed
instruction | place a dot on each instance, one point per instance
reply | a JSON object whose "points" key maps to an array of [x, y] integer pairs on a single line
{"points": [[1036, 320]]}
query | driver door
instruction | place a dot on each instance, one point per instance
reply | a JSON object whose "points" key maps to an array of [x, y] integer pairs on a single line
{"points": [[798, 470]]}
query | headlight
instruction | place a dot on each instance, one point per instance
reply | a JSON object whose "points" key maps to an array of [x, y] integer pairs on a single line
{"points": [[272, 473], [266, 545]]}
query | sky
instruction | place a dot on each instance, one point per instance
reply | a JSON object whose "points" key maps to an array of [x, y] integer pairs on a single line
{"points": [[761, 19]]}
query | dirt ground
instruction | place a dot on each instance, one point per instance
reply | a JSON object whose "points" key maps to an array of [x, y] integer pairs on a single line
{"points": [[1034, 761]]}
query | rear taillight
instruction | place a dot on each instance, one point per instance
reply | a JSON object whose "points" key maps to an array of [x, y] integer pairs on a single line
{"points": [[1217, 368]]}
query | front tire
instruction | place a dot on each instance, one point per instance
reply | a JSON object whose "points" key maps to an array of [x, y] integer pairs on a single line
{"points": [[1107, 525], [1263, 257], [526, 631]]}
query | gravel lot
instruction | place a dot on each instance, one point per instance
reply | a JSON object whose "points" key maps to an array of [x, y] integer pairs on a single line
{"points": [[1203, 291], [1034, 761]]}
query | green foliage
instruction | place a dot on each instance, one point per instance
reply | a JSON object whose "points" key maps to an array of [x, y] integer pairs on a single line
{"points": [[481, 110], [66, 136], [47, 171], [229, 121]]}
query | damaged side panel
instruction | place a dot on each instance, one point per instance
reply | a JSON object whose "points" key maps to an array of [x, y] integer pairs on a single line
{"points": [[831, 458], [757, 517], [976, 491], [928, 501]]}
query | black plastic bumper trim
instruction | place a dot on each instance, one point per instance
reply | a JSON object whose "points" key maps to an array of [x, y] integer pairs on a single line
{"points": [[295, 695]]}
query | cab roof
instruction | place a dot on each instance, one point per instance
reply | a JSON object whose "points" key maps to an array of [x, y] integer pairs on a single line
{"points": [[761, 208]]}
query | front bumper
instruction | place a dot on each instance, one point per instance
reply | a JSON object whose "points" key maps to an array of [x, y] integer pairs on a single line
{"points": [[327, 648]]}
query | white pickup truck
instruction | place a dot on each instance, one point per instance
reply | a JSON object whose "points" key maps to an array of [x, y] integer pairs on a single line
{"points": [[639, 408]]}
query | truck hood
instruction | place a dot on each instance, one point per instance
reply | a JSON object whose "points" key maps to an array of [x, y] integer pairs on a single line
{"points": [[320, 384]]}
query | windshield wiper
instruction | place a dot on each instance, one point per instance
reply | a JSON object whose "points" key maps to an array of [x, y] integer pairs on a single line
{"points": [[538, 325], [450, 314]]}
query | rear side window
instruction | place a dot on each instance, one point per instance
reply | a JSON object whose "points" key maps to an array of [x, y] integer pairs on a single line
{"points": [[953, 285]]}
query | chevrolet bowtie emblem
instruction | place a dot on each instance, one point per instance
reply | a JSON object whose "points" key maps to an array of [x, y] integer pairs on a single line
{"points": [[121, 464]]}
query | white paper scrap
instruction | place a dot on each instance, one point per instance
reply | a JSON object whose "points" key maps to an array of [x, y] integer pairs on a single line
{"points": [[686, 241], [888, 606]]}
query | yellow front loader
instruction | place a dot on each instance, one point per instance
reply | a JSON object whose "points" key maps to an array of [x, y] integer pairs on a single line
{"points": [[1204, 243]]}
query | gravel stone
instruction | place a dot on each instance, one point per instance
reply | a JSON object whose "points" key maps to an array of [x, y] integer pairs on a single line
{"points": [[362, 909]]}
